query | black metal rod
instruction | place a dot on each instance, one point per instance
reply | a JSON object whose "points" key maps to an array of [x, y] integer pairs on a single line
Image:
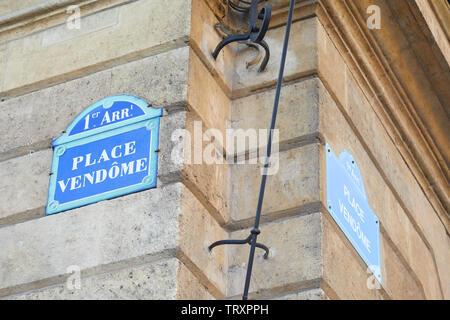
{"points": [[255, 231], [244, 241]]}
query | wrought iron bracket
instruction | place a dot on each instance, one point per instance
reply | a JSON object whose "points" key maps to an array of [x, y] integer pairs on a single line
{"points": [[255, 34], [248, 240]]}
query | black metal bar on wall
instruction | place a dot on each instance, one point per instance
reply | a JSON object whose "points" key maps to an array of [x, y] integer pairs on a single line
{"points": [[256, 34], [255, 231]]}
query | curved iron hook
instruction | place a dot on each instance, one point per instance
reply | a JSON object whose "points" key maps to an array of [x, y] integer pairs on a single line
{"points": [[255, 33], [226, 41], [266, 56], [248, 240], [226, 33]]}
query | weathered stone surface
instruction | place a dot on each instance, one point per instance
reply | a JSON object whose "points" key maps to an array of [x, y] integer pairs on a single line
{"points": [[230, 67], [161, 280], [156, 222], [171, 146], [388, 167], [198, 230], [88, 24], [204, 39], [309, 294], [37, 252], [421, 73], [295, 257], [209, 179], [298, 114], [331, 66], [189, 286], [301, 58], [205, 96], [161, 236], [3, 57], [157, 280], [24, 184], [31, 60], [296, 183], [438, 31], [31, 121], [343, 270], [7, 7], [161, 79], [349, 277], [24, 180], [381, 198], [400, 177], [399, 280]]}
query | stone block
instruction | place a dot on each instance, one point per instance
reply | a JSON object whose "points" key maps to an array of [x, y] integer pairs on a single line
{"points": [[399, 280], [197, 231], [37, 253], [154, 281], [343, 269], [294, 185], [297, 117], [89, 24], [301, 59], [331, 66], [171, 146], [165, 279], [210, 180], [189, 286], [230, 68], [34, 61], [25, 125], [382, 196], [295, 258], [157, 223], [205, 96], [24, 185], [9, 7], [25, 180], [308, 294]]}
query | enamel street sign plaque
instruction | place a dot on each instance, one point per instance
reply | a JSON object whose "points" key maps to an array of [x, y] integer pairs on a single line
{"points": [[347, 204], [109, 150]]}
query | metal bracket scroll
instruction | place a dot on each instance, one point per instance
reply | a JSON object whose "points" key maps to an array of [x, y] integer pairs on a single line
{"points": [[248, 240], [255, 34]]}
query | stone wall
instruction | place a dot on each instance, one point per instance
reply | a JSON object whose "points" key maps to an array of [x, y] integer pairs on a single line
{"points": [[154, 244], [140, 246], [323, 100]]}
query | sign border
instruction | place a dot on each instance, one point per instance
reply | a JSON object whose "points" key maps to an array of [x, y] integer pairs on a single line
{"points": [[149, 112], [346, 156], [150, 120]]}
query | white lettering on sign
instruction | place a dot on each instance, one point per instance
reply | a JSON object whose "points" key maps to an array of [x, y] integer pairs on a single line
{"points": [[129, 148], [354, 224], [115, 171], [108, 117], [354, 204], [115, 116], [352, 173]]}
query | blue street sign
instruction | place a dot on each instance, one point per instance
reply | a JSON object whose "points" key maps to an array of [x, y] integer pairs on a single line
{"points": [[109, 150], [347, 204]]}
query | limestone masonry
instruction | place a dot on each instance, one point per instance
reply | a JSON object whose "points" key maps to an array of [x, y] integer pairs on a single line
{"points": [[370, 77]]}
